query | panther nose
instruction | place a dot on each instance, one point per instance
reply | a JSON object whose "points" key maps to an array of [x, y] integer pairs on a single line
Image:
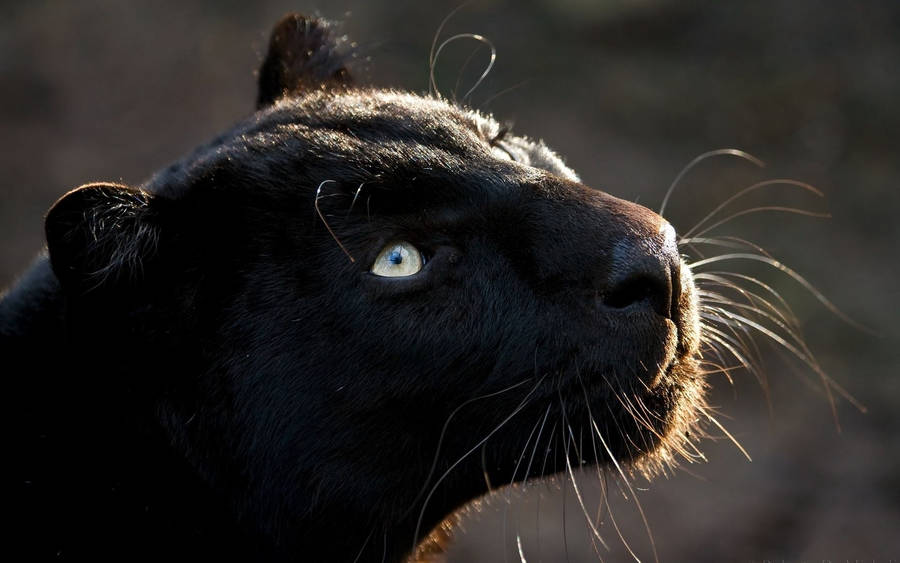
{"points": [[645, 273]]}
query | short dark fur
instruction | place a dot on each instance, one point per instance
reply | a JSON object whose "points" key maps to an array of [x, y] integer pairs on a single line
{"points": [[203, 373]]}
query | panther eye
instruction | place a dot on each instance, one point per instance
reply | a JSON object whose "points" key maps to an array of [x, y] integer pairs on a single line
{"points": [[398, 259]]}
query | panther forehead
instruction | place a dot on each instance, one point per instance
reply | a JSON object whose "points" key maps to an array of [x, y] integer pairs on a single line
{"points": [[369, 134]]}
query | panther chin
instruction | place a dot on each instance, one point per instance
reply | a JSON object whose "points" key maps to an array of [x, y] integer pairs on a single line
{"points": [[648, 419], [669, 411]]}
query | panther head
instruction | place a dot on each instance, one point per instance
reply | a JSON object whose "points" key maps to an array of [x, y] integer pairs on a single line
{"points": [[360, 309]]}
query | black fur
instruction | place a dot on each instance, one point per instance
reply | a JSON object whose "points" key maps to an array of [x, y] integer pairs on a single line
{"points": [[209, 371]]}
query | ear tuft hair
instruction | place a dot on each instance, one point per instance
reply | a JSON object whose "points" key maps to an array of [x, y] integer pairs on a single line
{"points": [[100, 234], [302, 56]]}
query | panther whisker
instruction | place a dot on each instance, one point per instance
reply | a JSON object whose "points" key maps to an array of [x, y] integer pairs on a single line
{"points": [[595, 522], [432, 58], [363, 548], [637, 502], [616, 393], [641, 418], [713, 347], [775, 264], [565, 520], [803, 354], [725, 241], [626, 440], [534, 429], [711, 306], [709, 314], [355, 197], [324, 222], [780, 208], [643, 415], [787, 312], [748, 190], [550, 438], [443, 433], [724, 340], [680, 445], [444, 475], [716, 304], [484, 74], [800, 350], [783, 312], [602, 476], [789, 331], [719, 369], [504, 91], [697, 160], [606, 508], [484, 471], [743, 339], [594, 531], [462, 69], [537, 441]]}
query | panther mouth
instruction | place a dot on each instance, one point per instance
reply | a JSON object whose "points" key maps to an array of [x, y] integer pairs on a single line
{"points": [[657, 412]]}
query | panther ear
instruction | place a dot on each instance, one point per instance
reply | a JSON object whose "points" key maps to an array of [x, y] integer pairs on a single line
{"points": [[101, 234], [302, 56]]}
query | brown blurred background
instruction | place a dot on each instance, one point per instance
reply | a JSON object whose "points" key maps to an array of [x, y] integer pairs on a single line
{"points": [[628, 92]]}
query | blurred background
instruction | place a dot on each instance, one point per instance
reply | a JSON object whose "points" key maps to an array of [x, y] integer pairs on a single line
{"points": [[628, 92]]}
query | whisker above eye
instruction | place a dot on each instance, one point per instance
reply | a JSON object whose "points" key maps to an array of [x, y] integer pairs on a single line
{"points": [[325, 222], [355, 197], [457, 37], [432, 56]]}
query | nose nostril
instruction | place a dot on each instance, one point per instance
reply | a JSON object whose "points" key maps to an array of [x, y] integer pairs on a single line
{"points": [[640, 288], [675, 297], [645, 273]]}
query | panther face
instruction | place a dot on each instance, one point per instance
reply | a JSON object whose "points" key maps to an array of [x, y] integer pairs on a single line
{"points": [[368, 307]]}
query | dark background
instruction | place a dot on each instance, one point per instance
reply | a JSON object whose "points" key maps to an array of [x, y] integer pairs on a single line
{"points": [[628, 92]]}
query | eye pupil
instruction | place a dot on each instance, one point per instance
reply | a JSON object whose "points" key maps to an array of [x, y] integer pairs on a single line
{"points": [[398, 259]]}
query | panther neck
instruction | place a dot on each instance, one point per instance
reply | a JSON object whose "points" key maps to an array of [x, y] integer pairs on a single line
{"points": [[90, 482]]}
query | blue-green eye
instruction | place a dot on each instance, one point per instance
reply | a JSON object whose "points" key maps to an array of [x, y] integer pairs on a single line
{"points": [[398, 259]]}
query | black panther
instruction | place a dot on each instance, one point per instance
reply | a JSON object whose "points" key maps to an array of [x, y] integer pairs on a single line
{"points": [[318, 335]]}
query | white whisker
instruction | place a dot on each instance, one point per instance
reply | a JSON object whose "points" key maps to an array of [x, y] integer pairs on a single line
{"points": [[720, 152], [750, 189], [780, 208], [797, 277]]}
